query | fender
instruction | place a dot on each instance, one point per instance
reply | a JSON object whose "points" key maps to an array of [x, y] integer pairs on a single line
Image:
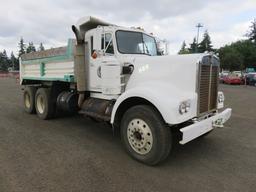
{"points": [[165, 97]]}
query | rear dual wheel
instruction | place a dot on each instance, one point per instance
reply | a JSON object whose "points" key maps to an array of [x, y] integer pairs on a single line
{"points": [[29, 99], [44, 104], [39, 101]]}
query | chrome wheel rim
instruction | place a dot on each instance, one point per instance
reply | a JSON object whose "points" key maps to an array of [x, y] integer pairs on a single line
{"points": [[40, 104], [27, 100], [140, 136]]}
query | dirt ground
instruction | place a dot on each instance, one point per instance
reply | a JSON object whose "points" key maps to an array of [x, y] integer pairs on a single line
{"points": [[77, 154]]}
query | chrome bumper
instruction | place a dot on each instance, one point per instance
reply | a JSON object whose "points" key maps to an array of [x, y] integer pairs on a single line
{"points": [[199, 128]]}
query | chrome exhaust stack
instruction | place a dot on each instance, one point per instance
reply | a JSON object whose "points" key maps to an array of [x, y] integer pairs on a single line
{"points": [[81, 59]]}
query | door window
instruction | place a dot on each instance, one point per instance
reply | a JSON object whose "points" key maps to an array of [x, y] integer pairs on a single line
{"points": [[107, 43]]}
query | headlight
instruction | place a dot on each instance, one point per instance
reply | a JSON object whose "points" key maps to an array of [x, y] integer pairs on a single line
{"points": [[221, 97], [184, 107]]}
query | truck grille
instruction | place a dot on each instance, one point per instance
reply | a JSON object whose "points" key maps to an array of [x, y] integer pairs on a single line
{"points": [[208, 84]]}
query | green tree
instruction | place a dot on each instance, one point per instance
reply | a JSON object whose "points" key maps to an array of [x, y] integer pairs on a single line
{"points": [[1, 62], [4, 61], [240, 54], [230, 58], [30, 48], [41, 47], [183, 49], [2, 67], [252, 31], [205, 44], [22, 47], [248, 49], [193, 45], [14, 62]]}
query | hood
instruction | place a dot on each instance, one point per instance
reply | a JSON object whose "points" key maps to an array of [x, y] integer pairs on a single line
{"points": [[178, 71]]}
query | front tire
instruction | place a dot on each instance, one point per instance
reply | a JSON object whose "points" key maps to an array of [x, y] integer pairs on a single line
{"points": [[45, 106], [145, 136]]}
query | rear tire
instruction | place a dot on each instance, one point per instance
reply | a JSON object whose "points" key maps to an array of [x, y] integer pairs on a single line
{"points": [[45, 105], [29, 99], [145, 135]]}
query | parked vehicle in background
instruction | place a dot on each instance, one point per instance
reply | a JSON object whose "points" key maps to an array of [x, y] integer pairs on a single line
{"points": [[222, 75], [232, 78], [251, 79], [250, 70], [238, 73]]}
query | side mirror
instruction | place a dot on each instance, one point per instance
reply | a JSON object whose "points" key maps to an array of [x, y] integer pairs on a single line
{"points": [[94, 55], [97, 53]]}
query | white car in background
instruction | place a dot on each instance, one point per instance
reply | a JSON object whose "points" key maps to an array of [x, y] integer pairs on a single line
{"points": [[222, 75], [238, 73]]}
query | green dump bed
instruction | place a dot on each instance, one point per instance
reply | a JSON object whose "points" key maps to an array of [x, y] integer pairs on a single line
{"points": [[55, 64]]}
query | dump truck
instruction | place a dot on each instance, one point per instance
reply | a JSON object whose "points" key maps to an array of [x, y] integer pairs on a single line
{"points": [[116, 74]]}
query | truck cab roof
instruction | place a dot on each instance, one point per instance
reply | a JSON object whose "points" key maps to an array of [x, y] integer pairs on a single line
{"points": [[88, 23]]}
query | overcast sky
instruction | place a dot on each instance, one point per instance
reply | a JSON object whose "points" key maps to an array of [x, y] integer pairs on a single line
{"points": [[50, 21]]}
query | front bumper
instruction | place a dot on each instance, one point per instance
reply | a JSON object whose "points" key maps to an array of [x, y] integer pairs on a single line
{"points": [[199, 128]]}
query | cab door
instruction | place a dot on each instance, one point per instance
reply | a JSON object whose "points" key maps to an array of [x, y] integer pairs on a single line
{"points": [[94, 80], [104, 68], [110, 68]]}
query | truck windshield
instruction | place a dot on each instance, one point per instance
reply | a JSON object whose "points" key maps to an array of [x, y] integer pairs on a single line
{"points": [[129, 42]]}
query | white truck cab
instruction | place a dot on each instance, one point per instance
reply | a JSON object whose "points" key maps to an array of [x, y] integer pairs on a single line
{"points": [[116, 74], [114, 47]]}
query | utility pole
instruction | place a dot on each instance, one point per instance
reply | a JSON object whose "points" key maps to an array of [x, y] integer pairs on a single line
{"points": [[199, 25]]}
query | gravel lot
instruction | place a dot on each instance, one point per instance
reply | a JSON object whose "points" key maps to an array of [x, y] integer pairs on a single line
{"points": [[77, 154]]}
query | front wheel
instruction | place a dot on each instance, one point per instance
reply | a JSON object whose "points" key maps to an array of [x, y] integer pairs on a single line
{"points": [[145, 135]]}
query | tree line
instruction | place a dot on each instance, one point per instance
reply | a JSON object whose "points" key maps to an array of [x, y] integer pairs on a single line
{"points": [[204, 45], [235, 56], [12, 62]]}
